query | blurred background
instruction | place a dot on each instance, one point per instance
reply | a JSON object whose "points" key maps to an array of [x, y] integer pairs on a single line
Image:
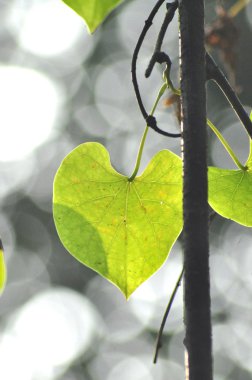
{"points": [[60, 87]]}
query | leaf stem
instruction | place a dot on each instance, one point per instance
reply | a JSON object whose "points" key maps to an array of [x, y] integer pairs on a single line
{"points": [[167, 79], [226, 145], [210, 124], [237, 7], [140, 151]]}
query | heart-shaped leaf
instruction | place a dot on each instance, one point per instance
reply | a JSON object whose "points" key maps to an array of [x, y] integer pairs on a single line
{"points": [[230, 192], [122, 229], [2, 268], [93, 11]]}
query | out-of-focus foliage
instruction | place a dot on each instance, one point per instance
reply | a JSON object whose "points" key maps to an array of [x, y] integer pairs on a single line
{"points": [[122, 229], [93, 11]]}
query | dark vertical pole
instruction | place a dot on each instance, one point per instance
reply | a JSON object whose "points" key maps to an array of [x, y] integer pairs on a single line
{"points": [[196, 252]]}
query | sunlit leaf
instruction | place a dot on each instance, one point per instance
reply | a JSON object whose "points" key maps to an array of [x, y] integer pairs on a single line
{"points": [[2, 268], [123, 230], [93, 11], [230, 192]]}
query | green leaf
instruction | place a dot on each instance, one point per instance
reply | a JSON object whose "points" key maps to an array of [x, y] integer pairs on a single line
{"points": [[230, 192], [93, 11], [123, 230], [2, 269]]}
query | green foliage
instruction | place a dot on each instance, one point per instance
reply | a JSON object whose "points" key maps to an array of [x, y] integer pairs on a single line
{"points": [[2, 269], [230, 192], [92, 11], [122, 229]]}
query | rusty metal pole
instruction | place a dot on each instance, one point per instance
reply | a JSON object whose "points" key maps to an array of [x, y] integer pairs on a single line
{"points": [[194, 138]]}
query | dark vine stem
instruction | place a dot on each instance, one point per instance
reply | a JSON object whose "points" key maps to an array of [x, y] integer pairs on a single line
{"points": [[213, 72], [141, 38], [171, 9], [197, 313], [167, 311], [150, 119]]}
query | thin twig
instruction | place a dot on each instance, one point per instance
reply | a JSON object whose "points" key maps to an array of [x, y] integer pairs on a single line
{"points": [[171, 9], [150, 119], [215, 73], [160, 333], [146, 27], [212, 215]]}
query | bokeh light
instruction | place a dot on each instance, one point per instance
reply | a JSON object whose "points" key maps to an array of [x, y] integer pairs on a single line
{"points": [[47, 334], [30, 107], [45, 28]]}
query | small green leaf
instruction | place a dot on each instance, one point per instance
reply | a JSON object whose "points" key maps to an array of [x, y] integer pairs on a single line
{"points": [[93, 11], [2, 268], [123, 230], [230, 192]]}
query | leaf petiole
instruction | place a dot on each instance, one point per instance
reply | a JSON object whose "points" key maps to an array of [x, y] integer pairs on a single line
{"points": [[140, 151], [237, 7], [226, 146], [169, 84], [210, 124]]}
